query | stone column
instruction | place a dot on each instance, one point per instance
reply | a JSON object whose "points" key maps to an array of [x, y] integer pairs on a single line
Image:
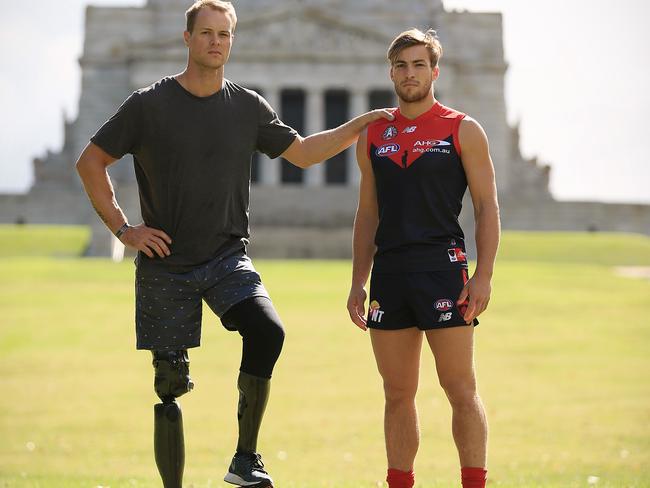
{"points": [[315, 122], [358, 106], [269, 169]]}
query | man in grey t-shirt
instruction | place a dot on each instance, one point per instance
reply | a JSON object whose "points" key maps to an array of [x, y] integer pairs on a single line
{"points": [[192, 136]]}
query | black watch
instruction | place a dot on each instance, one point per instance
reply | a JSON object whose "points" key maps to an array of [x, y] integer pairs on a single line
{"points": [[121, 230]]}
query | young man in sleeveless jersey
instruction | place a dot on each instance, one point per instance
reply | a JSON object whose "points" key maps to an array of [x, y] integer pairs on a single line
{"points": [[414, 172], [192, 136]]}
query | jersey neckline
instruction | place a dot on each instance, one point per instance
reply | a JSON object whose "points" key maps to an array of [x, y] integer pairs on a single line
{"points": [[435, 109]]}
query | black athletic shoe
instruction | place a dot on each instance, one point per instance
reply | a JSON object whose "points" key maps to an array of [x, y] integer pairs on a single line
{"points": [[247, 469]]}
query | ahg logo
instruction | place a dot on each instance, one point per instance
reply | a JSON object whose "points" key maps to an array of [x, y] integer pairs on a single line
{"points": [[431, 146], [431, 143]]}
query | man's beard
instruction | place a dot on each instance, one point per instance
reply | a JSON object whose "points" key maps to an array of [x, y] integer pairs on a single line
{"points": [[402, 93]]}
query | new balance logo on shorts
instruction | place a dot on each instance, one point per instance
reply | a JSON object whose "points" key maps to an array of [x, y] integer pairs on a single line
{"points": [[374, 312]]}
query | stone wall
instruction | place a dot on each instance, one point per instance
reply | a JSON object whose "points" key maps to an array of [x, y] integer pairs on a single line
{"points": [[324, 242], [306, 222]]}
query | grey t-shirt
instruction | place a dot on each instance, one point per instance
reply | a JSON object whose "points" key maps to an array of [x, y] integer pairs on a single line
{"points": [[192, 159]]}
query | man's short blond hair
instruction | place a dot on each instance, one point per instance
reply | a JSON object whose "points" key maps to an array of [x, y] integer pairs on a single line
{"points": [[415, 37], [192, 12]]}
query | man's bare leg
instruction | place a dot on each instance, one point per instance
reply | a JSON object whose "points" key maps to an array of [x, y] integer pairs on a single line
{"points": [[453, 349], [397, 353]]}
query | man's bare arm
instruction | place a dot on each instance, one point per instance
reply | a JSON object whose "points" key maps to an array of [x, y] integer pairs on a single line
{"points": [[307, 151], [479, 169], [92, 167], [363, 245]]}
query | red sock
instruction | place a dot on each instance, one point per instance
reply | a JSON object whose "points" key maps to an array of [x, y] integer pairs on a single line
{"points": [[400, 479], [473, 477]]}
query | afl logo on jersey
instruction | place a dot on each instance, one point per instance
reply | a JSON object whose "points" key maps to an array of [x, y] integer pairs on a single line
{"points": [[443, 305], [387, 149], [389, 133]]}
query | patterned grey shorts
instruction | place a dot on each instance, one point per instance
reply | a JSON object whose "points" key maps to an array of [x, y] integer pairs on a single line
{"points": [[168, 307]]}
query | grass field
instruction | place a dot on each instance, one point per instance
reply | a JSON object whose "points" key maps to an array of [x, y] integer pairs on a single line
{"points": [[563, 357]]}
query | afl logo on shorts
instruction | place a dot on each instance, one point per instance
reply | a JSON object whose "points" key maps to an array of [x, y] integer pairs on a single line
{"points": [[443, 305], [387, 149], [389, 133]]}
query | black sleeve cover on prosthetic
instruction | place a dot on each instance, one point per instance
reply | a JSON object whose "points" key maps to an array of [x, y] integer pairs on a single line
{"points": [[253, 397], [169, 443], [262, 334], [172, 379]]}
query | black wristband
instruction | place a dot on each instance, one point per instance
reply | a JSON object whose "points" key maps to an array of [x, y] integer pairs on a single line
{"points": [[121, 230]]}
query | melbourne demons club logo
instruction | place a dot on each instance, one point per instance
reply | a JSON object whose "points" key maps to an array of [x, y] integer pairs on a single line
{"points": [[389, 133]]}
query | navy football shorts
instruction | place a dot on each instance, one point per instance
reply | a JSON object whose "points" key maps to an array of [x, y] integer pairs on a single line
{"points": [[168, 306], [423, 299]]}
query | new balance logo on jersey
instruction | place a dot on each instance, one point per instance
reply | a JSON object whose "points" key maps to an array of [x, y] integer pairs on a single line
{"points": [[410, 129], [444, 317], [374, 313]]}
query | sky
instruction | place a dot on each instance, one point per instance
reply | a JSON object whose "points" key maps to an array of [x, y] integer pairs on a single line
{"points": [[577, 84]]}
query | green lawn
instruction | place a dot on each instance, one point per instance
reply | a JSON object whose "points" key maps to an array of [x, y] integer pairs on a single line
{"points": [[43, 240], [563, 357]]}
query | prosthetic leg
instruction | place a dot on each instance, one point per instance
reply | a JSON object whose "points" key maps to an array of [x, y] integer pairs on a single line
{"points": [[172, 379], [247, 468], [253, 397]]}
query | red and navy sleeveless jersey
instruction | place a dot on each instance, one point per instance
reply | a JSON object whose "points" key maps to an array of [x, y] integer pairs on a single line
{"points": [[420, 184]]}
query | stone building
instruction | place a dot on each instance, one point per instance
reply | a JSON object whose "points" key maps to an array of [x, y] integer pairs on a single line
{"points": [[318, 63]]}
